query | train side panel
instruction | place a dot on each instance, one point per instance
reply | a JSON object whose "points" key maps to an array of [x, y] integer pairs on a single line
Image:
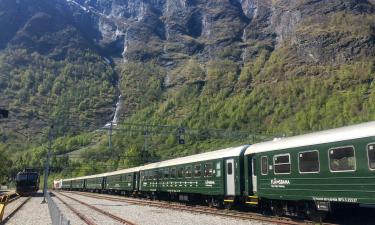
{"points": [[338, 172], [121, 182], [94, 184]]}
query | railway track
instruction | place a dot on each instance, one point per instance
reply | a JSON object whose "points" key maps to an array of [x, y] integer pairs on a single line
{"points": [[9, 203], [202, 210], [85, 218]]}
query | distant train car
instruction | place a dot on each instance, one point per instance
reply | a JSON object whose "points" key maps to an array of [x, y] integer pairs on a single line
{"points": [[124, 182], [57, 184], [27, 182], [66, 184]]}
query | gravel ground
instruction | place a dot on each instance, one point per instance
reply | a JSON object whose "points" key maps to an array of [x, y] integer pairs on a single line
{"points": [[12, 206], [90, 213], [32, 213], [74, 220], [146, 215]]}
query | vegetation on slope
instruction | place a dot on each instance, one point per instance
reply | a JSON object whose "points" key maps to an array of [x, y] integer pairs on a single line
{"points": [[275, 92]]}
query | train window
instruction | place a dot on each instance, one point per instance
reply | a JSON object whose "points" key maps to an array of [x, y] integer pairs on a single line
{"points": [[309, 162], [264, 165], [22, 177], [180, 172], [371, 156], [218, 169], [342, 159], [281, 164], [173, 172], [197, 170], [208, 170], [158, 174], [188, 172], [229, 168], [166, 173]]}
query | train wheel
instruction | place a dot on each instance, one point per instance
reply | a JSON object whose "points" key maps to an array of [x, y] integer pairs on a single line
{"points": [[228, 206], [315, 215], [277, 210]]}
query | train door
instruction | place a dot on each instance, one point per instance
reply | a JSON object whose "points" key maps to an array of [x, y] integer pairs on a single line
{"points": [[230, 182], [135, 181], [254, 175]]}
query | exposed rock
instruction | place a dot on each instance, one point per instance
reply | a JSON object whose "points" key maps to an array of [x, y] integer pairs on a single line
{"points": [[171, 31]]}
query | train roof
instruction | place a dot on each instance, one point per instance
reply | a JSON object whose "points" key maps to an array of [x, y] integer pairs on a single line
{"points": [[223, 153], [328, 136], [218, 154], [123, 171]]}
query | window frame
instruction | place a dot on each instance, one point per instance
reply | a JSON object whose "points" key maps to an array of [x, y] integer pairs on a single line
{"points": [[212, 169], [200, 170], [230, 169], [368, 159], [274, 165], [342, 171], [299, 161], [174, 174], [217, 167], [188, 169], [166, 172], [261, 165], [182, 174]]}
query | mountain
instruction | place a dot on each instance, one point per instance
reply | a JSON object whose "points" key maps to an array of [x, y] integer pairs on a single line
{"points": [[271, 67], [171, 31], [51, 69]]}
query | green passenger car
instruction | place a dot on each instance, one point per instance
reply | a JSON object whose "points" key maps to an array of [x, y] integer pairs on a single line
{"points": [[78, 184], [215, 175], [66, 184], [94, 182], [122, 181], [313, 172]]}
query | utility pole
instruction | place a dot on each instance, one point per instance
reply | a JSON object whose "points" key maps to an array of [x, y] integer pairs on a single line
{"points": [[146, 143], [45, 185], [110, 135]]}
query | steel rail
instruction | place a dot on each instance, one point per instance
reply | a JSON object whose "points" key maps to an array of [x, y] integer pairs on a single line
{"points": [[15, 210], [75, 211], [106, 213], [202, 210]]}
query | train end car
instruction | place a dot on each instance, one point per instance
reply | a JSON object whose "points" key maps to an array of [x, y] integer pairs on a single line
{"points": [[57, 184], [313, 174], [27, 182]]}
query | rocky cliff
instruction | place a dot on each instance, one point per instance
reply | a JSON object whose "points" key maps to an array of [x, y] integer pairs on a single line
{"points": [[175, 30]]}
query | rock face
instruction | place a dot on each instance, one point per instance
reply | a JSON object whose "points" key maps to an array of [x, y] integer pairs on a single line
{"points": [[171, 31]]}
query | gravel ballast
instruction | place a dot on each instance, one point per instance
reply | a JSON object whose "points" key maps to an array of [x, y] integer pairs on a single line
{"points": [[94, 216], [32, 213], [148, 215]]}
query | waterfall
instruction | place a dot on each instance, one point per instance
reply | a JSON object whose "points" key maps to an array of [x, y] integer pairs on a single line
{"points": [[244, 51], [115, 118], [125, 45]]}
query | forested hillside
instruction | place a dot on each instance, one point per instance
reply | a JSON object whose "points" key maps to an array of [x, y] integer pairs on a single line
{"points": [[270, 68]]}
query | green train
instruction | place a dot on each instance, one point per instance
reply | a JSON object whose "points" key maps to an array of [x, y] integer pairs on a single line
{"points": [[311, 174]]}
